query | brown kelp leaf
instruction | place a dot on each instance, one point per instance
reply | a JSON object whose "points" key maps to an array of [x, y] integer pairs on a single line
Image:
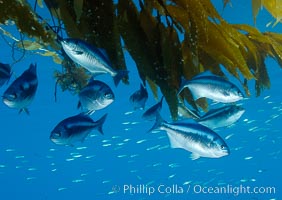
{"points": [[29, 45], [172, 64], [78, 6], [153, 86], [235, 42], [68, 16], [156, 4], [26, 20], [135, 39], [72, 78], [256, 6], [275, 9], [56, 58]]}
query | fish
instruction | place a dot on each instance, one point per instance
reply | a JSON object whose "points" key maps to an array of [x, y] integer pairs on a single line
{"points": [[195, 138], [138, 98], [94, 96], [221, 117], [5, 73], [186, 112], [212, 87], [93, 59], [22, 91], [151, 113], [75, 128]]}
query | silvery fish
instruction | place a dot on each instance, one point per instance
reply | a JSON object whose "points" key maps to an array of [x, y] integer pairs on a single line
{"points": [[186, 112], [212, 87], [75, 128], [22, 91], [196, 138], [221, 117], [5, 73], [138, 98], [91, 58], [151, 113], [94, 96]]}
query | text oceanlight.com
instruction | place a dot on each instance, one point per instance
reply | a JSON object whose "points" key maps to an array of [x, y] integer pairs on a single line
{"points": [[195, 189]]}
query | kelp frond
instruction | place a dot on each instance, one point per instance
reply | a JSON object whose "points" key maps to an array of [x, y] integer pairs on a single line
{"points": [[274, 7], [166, 38]]}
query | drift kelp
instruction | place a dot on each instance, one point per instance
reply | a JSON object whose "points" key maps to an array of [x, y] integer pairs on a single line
{"points": [[150, 32]]}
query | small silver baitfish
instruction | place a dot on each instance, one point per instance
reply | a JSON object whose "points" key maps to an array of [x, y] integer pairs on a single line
{"points": [[196, 138], [91, 58], [212, 87]]}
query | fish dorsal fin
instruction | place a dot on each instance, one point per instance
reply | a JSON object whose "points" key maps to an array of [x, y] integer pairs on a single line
{"points": [[32, 68], [104, 53], [204, 73], [161, 101], [194, 156], [142, 88]]}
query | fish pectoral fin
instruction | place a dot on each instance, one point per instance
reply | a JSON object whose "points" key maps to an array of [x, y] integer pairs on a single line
{"points": [[174, 144], [79, 105], [194, 156], [90, 112], [104, 52]]}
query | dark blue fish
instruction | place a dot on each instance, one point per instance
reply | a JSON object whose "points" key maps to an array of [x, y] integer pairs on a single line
{"points": [[95, 95], [151, 113], [193, 137], [212, 87], [138, 98], [221, 117], [22, 91], [91, 58], [75, 128], [5, 73]]}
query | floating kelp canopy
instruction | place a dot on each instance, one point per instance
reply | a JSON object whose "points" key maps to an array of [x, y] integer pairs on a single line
{"points": [[166, 38]]}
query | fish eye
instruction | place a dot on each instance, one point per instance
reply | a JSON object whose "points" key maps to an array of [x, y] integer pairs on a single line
{"points": [[222, 147], [108, 95], [13, 96], [57, 135]]}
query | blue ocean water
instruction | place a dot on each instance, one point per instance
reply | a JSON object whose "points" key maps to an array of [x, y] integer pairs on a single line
{"points": [[127, 162]]}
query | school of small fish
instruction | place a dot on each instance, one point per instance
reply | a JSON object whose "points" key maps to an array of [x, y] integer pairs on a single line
{"points": [[197, 137]]}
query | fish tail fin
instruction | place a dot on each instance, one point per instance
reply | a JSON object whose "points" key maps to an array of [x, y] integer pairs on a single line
{"points": [[24, 110], [158, 123], [182, 85], [120, 75], [194, 156], [100, 123]]}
